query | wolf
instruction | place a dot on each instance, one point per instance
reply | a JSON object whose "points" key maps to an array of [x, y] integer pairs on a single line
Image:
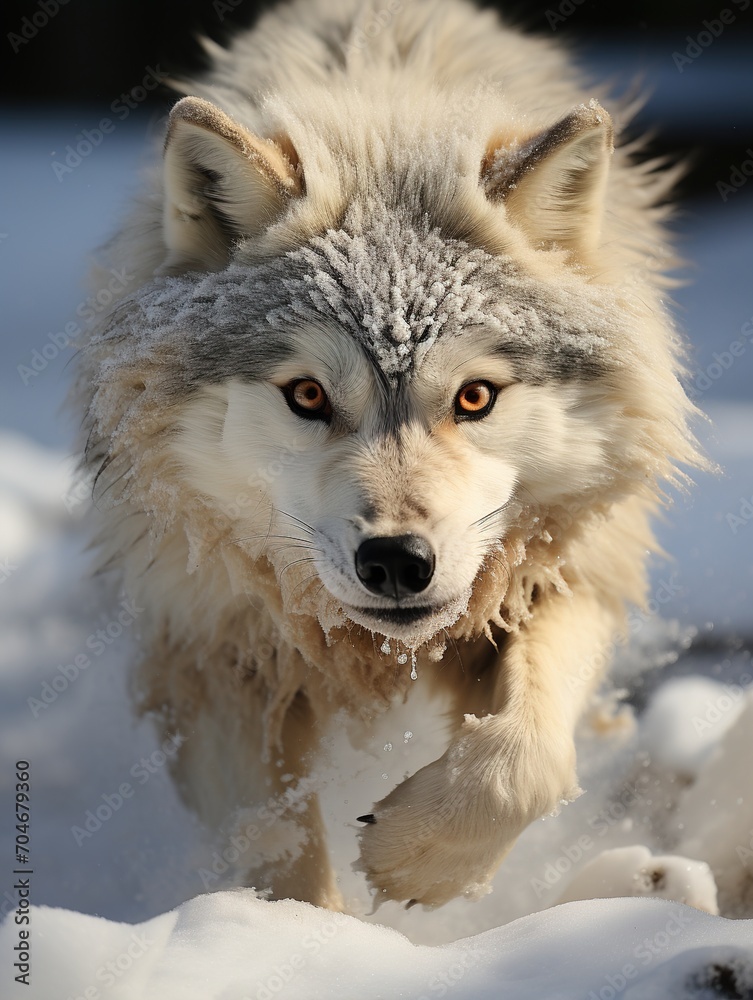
{"points": [[388, 404]]}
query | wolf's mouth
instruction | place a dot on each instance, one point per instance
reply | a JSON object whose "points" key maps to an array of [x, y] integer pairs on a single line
{"points": [[412, 625], [398, 616]]}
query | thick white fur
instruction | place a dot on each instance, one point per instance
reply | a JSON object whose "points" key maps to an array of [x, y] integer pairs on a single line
{"points": [[245, 653]]}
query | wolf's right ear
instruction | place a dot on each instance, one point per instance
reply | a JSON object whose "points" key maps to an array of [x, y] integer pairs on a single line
{"points": [[222, 183], [553, 185]]}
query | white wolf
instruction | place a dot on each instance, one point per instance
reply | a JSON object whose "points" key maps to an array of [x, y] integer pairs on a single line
{"points": [[393, 369]]}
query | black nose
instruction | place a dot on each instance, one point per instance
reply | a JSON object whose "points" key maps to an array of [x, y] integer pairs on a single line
{"points": [[395, 566]]}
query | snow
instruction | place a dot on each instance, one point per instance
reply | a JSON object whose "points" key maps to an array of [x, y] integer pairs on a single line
{"points": [[234, 946], [686, 719], [635, 871], [667, 782]]}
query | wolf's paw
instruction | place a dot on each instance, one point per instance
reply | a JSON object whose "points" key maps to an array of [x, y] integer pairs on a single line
{"points": [[444, 832], [428, 842]]}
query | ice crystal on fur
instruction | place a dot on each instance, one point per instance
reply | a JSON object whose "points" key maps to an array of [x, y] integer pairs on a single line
{"points": [[238, 321], [396, 288]]}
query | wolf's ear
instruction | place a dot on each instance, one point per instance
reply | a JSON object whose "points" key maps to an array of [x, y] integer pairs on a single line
{"points": [[222, 183], [553, 184]]}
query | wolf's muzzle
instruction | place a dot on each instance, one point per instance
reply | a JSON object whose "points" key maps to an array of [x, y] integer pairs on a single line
{"points": [[395, 566]]}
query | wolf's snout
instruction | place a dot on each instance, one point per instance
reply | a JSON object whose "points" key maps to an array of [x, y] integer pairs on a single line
{"points": [[395, 566]]}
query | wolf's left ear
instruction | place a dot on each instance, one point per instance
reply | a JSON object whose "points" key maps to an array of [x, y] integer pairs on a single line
{"points": [[222, 183], [553, 184]]}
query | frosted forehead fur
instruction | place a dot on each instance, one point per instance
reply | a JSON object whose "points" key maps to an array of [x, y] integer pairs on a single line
{"points": [[398, 285], [395, 287]]}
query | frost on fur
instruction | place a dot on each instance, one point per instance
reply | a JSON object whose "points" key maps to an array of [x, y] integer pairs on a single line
{"points": [[394, 223]]}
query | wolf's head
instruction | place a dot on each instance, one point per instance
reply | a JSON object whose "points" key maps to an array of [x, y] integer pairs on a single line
{"points": [[376, 404]]}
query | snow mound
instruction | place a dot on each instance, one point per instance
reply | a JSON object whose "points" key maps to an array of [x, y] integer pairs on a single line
{"points": [[235, 946], [687, 718], [634, 871]]}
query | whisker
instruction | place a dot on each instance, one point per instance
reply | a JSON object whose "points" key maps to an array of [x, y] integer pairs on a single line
{"points": [[309, 548], [296, 562], [525, 489], [484, 540], [487, 517], [303, 583], [269, 526], [262, 534], [456, 648], [303, 524], [496, 557]]}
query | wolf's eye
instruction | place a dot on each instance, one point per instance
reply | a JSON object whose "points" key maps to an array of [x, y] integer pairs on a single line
{"points": [[475, 400], [307, 399]]}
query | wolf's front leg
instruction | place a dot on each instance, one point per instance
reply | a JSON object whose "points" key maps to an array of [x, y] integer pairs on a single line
{"points": [[290, 859], [265, 810], [444, 832]]}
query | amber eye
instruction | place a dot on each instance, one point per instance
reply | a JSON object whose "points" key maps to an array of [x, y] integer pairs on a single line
{"points": [[307, 399], [475, 400]]}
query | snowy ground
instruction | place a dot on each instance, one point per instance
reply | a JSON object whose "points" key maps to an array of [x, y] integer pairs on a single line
{"points": [[231, 946], [676, 781]]}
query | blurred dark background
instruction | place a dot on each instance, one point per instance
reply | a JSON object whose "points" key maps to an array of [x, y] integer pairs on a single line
{"points": [[85, 52]]}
